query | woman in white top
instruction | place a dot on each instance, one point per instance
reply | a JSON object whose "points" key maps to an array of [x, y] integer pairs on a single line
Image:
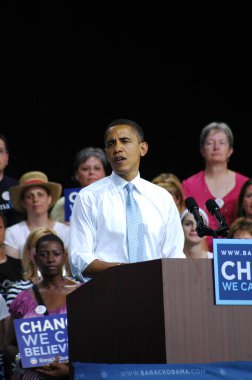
{"points": [[194, 246], [34, 196]]}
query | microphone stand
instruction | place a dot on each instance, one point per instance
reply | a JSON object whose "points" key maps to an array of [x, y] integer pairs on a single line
{"points": [[203, 230], [222, 231]]}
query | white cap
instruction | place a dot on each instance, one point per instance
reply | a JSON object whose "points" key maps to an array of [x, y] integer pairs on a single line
{"points": [[202, 213]]}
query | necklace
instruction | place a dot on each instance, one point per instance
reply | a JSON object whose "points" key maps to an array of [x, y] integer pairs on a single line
{"points": [[219, 202], [219, 190]]}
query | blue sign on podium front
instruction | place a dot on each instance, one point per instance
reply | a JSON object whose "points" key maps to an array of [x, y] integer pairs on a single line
{"points": [[232, 271]]}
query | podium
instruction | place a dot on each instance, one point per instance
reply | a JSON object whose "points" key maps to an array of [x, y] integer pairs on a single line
{"points": [[160, 311]]}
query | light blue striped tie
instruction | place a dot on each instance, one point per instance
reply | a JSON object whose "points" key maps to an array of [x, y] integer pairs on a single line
{"points": [[135, 228]]}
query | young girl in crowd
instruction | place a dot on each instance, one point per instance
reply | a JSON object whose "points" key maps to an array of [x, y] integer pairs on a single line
{"points": [[31, 273], [195, 247], [53, 287]]}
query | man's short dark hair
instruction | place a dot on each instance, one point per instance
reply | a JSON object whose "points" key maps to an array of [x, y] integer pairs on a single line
{"points": [[137, 128]]}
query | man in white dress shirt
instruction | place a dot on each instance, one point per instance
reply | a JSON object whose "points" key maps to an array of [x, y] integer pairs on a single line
{"points": [[98, 237]]}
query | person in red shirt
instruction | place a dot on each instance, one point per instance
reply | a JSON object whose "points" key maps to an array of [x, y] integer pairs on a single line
{"points": [[216, 181]]}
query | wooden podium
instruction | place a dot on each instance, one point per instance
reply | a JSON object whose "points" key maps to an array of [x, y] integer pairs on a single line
{"points": [[160, 311]]}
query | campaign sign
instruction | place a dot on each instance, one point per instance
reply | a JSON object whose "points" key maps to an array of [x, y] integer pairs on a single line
{"points": [[42, 339], [70, 195], [232, 271]]}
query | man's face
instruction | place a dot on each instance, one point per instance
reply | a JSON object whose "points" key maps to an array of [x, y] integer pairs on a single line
{"points": [[124, 150]]}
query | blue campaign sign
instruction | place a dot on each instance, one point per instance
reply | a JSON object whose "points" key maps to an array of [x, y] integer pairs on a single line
{"points": [[42, 339], [70, 195], [232, 271]]}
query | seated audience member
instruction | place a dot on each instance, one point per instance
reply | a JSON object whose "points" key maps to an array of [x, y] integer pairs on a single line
{"points": [[241, 228], [244, 204], [216, 180], [90, 164], [195, 247], [12, 216], [34, 196], [171, 183], [4, 324], [10, 268], [50, 258], [30, 271]]}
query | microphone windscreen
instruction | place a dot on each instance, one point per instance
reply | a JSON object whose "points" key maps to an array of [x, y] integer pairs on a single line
{"points": [[211, 205], [191, 203]]}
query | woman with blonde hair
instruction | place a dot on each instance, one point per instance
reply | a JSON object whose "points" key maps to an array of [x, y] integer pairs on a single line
{"points": [[171, 183], [31, 273]]}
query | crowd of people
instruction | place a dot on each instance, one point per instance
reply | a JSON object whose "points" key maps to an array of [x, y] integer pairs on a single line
{"points": [[40, 250]]}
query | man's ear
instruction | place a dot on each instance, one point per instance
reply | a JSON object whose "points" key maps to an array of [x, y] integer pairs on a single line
{"points": [[143, 148]]}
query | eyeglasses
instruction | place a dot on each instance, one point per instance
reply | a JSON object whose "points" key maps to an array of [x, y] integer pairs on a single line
{"points": [[3, 151]]}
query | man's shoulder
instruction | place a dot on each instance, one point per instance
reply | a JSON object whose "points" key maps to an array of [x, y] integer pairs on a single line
{"points": [[149, 185], [96, 187], [150, 188]]}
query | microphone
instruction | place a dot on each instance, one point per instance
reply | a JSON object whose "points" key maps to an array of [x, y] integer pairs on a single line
{"points": [[193, 208], [201, 229], [214, 209]]}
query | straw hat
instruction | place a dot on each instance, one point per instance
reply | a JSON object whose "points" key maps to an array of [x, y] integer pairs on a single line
{"points": [[33, 179]]}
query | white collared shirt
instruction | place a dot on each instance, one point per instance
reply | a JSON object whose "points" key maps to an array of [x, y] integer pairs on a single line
{"points": [[98, 223]]}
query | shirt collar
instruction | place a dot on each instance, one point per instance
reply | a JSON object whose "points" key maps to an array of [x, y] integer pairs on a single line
{"points": [[120, 183]]}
